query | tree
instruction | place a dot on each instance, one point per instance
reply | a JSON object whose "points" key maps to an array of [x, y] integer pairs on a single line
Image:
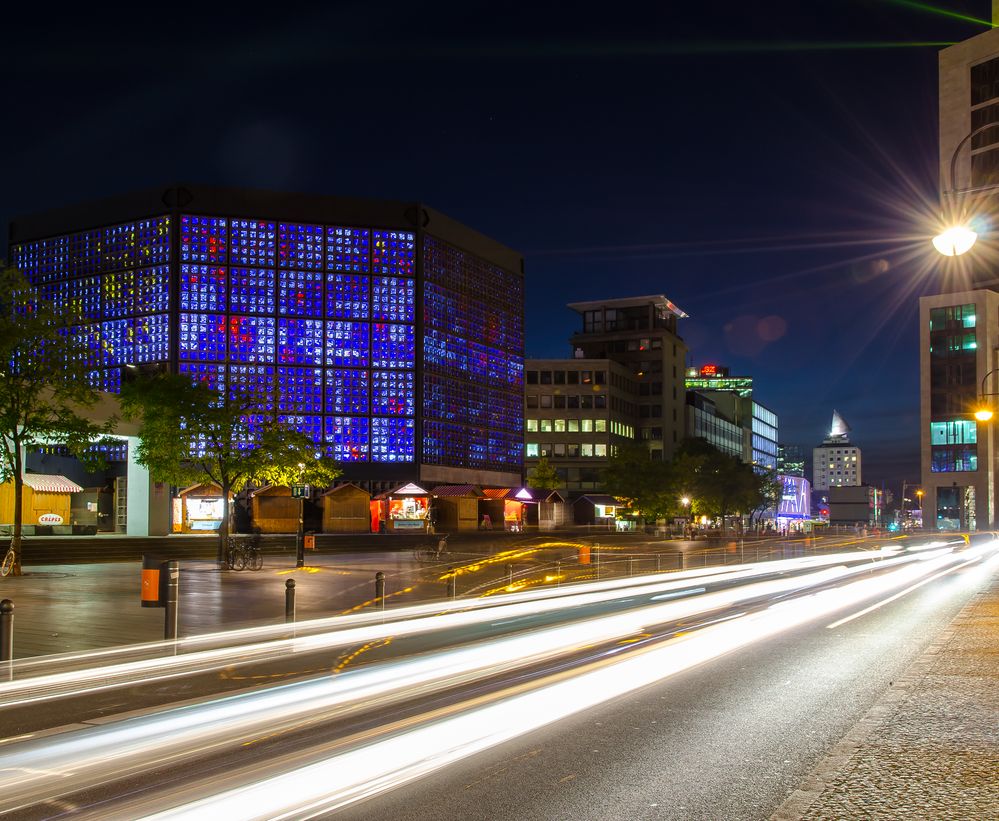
{"points": [[719, 484], [44, 387], [191, 433], [771, 492], [543, 476], [648, 486]]}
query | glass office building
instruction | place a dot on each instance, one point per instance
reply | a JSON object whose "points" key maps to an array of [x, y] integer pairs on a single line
{"points": [[389, 333]]}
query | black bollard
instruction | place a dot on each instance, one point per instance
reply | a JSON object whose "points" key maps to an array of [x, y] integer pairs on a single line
{"points": [[6, 630], [172, 600], [558, 573], [380, 589], [452, 584], [509, 574], [289, 601], [679, 561], [659, 562]]}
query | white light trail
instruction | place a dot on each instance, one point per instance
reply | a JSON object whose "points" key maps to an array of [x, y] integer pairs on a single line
{"points": [[353, 775]]}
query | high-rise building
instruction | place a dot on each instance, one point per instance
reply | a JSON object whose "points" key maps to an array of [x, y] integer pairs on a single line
{"points": [[624, 382], [836, 462], [791, 460], [958, 332], [388, 332], [716, 401]]}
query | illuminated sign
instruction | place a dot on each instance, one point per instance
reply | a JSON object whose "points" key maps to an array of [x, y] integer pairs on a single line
{"points": [[709, 370], [50, 519], [795, 498]]}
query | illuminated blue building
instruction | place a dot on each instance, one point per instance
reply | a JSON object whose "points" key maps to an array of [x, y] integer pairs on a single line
{"points": [[388, 332]]}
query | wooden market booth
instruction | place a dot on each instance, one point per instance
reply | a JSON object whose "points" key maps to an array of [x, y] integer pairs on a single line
{"points": [[45, 501], [547, 510], [596, 509], [506, 506], [456, 507], [198, 509], [274, 510], [403, 510], [346, 509]]}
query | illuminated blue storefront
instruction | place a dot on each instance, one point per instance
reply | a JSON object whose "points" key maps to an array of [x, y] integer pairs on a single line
{"points": [[386, 331]]}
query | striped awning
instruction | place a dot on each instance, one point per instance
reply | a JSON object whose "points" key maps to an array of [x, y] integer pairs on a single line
{"points": [[50, 483], [456, 490]]}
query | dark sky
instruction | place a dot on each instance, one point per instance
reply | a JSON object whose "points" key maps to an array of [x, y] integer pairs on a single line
{"points": [[768, 166]]}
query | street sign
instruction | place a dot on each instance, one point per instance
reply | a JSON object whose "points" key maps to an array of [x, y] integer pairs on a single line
{"points": [[300, 491]]}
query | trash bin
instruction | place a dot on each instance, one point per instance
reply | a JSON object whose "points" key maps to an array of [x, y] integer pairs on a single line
{"points": [[153, 581], [310, 541]]}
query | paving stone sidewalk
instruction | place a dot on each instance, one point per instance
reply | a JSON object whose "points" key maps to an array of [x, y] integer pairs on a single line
{"points": [[929, 748]]}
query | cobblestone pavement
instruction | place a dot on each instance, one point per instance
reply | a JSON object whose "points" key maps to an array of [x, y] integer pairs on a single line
{"points": [[929, 748]]}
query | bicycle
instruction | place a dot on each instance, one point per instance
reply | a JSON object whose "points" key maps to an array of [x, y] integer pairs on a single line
{"points": [[242, 554], [427, 554], [8, 562]]}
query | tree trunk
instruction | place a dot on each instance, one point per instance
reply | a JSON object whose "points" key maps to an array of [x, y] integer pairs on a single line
{"points": [[15, 539], [224, 525]]}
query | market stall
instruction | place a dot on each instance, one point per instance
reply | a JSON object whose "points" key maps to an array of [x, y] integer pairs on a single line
{"points": [[403, 510], [274, 510], [345, 509], [456, 507], [197, 509], [45, 502]]}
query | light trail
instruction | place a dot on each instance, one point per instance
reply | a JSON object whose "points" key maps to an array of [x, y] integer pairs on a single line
{"points": [[38, 769], [363, 628], [380, 765]]}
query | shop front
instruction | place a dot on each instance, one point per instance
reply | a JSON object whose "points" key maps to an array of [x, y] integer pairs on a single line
{"points": [[456, 507], [403, 510], [198, 509]]}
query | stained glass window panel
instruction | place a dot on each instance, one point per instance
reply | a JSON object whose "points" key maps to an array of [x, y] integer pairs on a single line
{"points": [[346, 391], [300, 389], [154, 242], [347, 344], [120, 248], [300, 293], [204, 239], [394, 253], [347, 296], [152, 338], [393, 392], [348, 438], [253, 243], [253, 384], [392, 440], [311, 426], [205, 374], [300, 341], [393, 299], [251, 291], [117, 342], [202, 288], [202, 337], [251, 338], [348, 249], [392, 346], [152, 290], [300, 246]]}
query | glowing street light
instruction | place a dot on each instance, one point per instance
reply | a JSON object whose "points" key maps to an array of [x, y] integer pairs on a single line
{"points": [[955, 241], [958, 239], [983, 414]]}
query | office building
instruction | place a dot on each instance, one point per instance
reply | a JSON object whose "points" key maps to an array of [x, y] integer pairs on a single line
{"points": [[577, 412], [836, 462], [624, 382], [791, 460], [388, 332], [958, 331], [717, 401]]}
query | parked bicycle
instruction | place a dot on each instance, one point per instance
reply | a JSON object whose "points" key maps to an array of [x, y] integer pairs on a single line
{"points": [[8, 562], [243, 554], [431, 553]]}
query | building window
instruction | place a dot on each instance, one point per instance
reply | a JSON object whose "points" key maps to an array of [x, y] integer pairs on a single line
{"points": [[546, 400], [599, 449], [586, 425], [958, 432], [532, 450], [532, 425], [546, 426], [952, 458], [558, 449], [532, 401], [532, 377], [558, 401], [559, 377], [600, 377], [546, 377], [600, 425], [953, 316], [586, 449], [572, 426], [573, 377], [572, 449], [559, 425]]}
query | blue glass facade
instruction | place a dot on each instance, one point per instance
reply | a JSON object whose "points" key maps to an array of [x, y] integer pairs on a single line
{"points": [[330, 327]]}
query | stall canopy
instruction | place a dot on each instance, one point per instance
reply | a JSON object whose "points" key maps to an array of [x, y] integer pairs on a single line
{"points": [[404, 508], [346, 509], [50, 483], [456, 507]]}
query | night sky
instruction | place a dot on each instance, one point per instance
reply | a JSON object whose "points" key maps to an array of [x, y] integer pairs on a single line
{"points": [[770, 167]]}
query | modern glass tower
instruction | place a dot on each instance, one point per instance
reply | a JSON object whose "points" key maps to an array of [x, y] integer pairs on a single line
{"points": [[388, 332]]}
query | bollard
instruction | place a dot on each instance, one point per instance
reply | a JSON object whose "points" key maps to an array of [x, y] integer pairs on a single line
{"points": [[452, 584], [172, 599], [558, 573], [380, 588], [289, 601], [6, 630], [509, 574], [631, 565], [679, 561], [596, 564], [659, 562]]}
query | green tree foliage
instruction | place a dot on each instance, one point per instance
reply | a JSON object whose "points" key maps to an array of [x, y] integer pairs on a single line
{"points": [[719, 484], [180, 420], [543, 476], [771, 490], [649, 487], [44, 392]]}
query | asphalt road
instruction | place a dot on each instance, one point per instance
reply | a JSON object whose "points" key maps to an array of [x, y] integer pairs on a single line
{"points": [[727, 740]]}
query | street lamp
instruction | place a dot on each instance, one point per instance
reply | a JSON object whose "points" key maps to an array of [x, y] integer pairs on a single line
{"points": [[984, 413], [919, 496], [958, 238], [300, 536]]}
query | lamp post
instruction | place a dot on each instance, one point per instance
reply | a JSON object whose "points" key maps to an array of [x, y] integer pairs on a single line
{"points": [[919, 496], [958, 237], [300, 536]]}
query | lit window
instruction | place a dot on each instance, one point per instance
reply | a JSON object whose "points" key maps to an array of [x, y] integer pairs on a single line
{"points": [[600, 450], [532, 424], [600, 425], [572, 426], [586, 425], [559, 425], [586, 449], [546, 425], [532, 449]]}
